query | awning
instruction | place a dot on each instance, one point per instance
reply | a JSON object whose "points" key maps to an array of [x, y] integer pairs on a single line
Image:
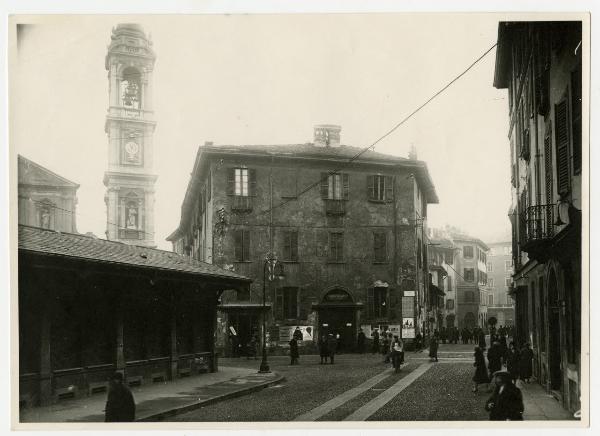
{"points": [[435, 290]]}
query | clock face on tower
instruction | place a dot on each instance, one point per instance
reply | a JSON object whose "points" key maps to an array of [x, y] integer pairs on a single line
{"points": [[132, 151]]}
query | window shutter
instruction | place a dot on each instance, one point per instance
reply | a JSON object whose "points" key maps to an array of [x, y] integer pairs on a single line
{"points": [[389, 189], [370, 300], [371, 187], [294, 245], [561, 123], [209, 185], [246, 244], [548, 170], [237, 240], [324, 185], [286, 246], [230, 181], [576, 117], [252, 182], [346, 186], [279, 303]]}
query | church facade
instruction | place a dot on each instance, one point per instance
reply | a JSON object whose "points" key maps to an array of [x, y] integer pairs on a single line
{"points": [[130, 125], [46, 199]]}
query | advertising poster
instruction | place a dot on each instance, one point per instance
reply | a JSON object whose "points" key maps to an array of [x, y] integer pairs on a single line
{"points": [[408, 328], [286, 332]]}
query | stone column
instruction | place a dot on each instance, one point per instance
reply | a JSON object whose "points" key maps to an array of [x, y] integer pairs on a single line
{"points": [[120, 326], [173, 338], [46, 397]]}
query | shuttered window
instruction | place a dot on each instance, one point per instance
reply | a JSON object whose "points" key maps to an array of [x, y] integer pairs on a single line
{"points": [[242, 245], [290, 246], [379, 247], [336, 247], [576, 117], [241, 182], [286, 300], [380, 188], [468, 252], [469, 274], [561, 127], [378, 302], [335, 186]]}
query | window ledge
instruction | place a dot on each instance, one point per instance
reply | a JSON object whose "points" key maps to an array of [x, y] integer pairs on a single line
{"points": [[290, 261], [381, 262], [335, 262], [242, 261], [378, 201]]}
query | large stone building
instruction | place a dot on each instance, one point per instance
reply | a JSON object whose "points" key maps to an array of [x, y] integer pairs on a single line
{"points": [[441, 255], [46, 199], [130, 125], [540, 63], [348, 225], [499, 272]]}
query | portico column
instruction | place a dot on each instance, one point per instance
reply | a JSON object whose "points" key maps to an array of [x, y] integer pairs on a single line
{"points": [[120, 353], [173, 338], [46, 397]]}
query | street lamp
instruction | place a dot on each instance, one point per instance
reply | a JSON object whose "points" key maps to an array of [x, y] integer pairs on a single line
{"points": [[275, 271]]}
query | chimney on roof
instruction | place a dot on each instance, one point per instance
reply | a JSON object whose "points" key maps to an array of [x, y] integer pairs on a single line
{"points": [[327, 135], [412, 154], [208, 143]]}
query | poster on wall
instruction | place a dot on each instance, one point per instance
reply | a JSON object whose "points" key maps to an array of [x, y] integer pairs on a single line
{"points": [[394, 329], [287, 332], [408, 328]]}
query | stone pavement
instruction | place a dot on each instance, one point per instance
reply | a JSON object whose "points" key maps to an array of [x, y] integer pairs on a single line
{"points": [[540, 405], [160, 400]]}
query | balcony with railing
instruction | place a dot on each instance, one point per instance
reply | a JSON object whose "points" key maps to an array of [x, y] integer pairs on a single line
{"points": [[537, 226], [241, 203], [335, 207]]}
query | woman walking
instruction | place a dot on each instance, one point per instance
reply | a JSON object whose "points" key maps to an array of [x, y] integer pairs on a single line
{"points": [[433, 348], [294, 354], [525, 364], [397, 353], [481, 374], [494, 356], [512, 362]]}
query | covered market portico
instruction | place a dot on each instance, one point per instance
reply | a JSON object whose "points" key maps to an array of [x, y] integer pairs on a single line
{"points": [[89, 307]]}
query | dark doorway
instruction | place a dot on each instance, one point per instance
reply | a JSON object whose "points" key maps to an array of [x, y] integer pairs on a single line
{"points": [[339, 321], [470, 321], [554, 355], [246, 325]]}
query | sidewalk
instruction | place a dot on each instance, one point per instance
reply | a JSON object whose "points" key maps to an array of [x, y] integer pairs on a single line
{"points": [[540, 405], [158, 401]]}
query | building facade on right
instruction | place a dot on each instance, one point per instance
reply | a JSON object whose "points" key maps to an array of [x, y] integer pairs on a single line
{"points": [[540, 63]]}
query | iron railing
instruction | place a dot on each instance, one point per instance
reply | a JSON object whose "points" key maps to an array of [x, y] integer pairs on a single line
{"points": [[335, 207], [241, 203], [537, 224]]}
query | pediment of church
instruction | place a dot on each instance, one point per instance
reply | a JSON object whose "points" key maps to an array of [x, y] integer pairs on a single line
{"points": [[31, 173]]}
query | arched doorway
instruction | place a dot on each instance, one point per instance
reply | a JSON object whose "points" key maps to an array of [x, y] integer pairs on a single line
{"points": [[470, 321], [554, 352], [337, 315], [450, 321]]}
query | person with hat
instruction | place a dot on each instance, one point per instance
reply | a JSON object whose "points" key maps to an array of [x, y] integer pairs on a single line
{"points": [[506, 402], [120, 405], [526, 363], [512, 362], [494, 356], [481, 374]]}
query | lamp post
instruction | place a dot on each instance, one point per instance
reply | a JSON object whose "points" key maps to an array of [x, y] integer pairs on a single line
{"points": [[275, 270]]}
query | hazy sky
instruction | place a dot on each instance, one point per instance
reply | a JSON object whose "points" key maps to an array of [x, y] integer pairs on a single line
{"points": [[268, 80]]}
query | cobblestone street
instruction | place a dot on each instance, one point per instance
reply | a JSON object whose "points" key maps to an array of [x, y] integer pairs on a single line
{"points": [[362, 387]]}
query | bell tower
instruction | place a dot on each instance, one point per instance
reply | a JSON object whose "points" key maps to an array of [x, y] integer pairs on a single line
{"points": [[130, 125]]}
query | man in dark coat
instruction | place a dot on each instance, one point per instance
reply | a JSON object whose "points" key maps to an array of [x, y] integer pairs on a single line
{"points": [[433, 347], [506, 403], [360, 341], [323, 349], [494, 356], [120, 405], [298, 335], [294, 355], [375, 348], [526, 364], [331, 346]]}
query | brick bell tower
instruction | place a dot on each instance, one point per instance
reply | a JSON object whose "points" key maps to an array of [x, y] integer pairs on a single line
{"points": [[130, 126]]}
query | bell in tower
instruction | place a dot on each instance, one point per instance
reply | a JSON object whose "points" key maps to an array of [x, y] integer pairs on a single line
{"points": [[130, 127]]}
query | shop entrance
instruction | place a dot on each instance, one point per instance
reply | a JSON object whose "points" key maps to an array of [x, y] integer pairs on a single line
{"points": [[246, 325], [554, 356], [337, 315]]}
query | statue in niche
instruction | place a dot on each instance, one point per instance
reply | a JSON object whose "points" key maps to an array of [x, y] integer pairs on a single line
{"points": [[45, 218], [131, 221], [131, 94]]}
